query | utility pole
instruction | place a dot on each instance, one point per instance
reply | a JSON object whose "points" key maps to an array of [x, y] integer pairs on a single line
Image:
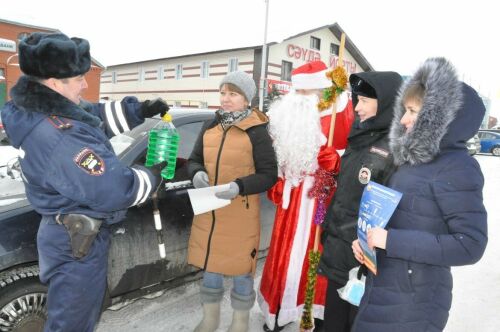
{"points": [[262, 83]]}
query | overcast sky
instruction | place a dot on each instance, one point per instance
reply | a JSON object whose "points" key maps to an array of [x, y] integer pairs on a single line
{"points": [[392, 35]]}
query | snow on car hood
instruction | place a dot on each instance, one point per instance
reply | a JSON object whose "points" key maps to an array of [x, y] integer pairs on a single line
{"points": [[11, 191], [7, 154]]}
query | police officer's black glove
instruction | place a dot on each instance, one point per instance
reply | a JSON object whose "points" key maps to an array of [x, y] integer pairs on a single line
{"points": [[151, 108], [156, 171]]}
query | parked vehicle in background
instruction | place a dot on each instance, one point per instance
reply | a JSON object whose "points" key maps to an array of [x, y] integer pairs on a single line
{"points": [[494, 130], [473, 145], [3, 136], [134, 265], [8, 157], [490, 142]]}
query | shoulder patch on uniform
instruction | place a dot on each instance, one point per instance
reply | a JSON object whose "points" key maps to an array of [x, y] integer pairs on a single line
{"points": [[379, 151], [90, 162], [59, 123]]}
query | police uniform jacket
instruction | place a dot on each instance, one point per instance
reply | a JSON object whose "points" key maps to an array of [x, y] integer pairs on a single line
{"points": [[67, 161]]}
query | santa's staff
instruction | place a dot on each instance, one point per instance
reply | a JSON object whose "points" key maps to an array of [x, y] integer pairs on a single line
{"points": [[324, 184]]}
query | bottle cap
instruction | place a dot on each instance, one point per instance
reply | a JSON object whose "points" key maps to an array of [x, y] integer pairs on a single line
{"points": [[167, 117]]}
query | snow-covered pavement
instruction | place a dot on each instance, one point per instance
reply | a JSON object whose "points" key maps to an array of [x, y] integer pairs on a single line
{"points": [[476, 294]]}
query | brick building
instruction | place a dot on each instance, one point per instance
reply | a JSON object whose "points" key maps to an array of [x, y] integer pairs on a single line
{"points": [[10, 34]]}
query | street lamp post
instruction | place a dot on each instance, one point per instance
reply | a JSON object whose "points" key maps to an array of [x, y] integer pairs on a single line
{"points": [[263, 71]]}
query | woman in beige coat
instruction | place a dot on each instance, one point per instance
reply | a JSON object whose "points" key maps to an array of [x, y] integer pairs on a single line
{"points": [[235, 148]]}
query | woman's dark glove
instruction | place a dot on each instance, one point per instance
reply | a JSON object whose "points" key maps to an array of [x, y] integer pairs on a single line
{"points": [[151, 108]]}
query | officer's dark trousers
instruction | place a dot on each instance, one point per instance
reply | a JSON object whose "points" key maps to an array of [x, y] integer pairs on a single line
{"points": [[76, 287]]}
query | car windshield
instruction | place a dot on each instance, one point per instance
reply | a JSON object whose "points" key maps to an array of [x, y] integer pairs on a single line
{"points": [[123, 142]]}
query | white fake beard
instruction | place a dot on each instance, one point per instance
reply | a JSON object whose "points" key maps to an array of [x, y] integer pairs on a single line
{"points": [[294, 126]]}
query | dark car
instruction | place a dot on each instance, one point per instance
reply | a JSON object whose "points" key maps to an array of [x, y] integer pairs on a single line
{"points": [[134, 266], [490, 142]]}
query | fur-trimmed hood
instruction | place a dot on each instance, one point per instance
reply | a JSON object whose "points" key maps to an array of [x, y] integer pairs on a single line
{"points": [[451, 114], [30, 97]]}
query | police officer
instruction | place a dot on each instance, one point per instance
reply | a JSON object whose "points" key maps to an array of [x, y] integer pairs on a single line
{"points": [[72, 176]]}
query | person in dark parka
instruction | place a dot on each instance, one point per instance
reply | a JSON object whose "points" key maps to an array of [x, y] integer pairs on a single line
{"points": [[440, 220], [366, 158]]}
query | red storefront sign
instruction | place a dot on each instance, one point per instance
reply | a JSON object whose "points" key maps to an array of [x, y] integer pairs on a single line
{"points": [[282, 86]]}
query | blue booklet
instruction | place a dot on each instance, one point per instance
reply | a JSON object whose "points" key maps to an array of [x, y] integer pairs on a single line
{"points": [[376, 208]]}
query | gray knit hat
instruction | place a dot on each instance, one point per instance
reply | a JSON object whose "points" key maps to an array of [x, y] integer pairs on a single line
{"points": [[243, 81]]}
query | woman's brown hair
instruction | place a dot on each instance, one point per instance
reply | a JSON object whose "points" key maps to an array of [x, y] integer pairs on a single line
{"points": [[233, 88], [414, 92]]}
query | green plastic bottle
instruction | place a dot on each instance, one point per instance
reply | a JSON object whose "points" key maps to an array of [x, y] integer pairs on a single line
{"points": [[163, 145]]}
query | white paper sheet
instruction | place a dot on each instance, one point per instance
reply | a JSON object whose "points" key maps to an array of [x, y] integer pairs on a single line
{"points": [[204, 199]]}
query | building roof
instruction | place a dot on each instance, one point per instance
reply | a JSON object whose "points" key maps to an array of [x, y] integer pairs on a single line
{"points": [[192, 54], [334, 28], [349, 45], [28, 25], [97, 63]]}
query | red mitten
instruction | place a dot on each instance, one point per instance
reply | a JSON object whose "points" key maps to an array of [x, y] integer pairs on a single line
{"points": [[329, 159], [275, 194], [343, 123]]}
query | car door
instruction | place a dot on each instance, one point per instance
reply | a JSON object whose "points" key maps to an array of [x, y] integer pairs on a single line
{"points": [[134, 260]]}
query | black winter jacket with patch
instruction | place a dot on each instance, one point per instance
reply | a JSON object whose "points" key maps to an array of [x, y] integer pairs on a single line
{"points": [[368, 147]]}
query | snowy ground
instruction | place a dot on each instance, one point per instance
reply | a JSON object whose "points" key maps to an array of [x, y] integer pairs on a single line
{"points": [[476, 301]]}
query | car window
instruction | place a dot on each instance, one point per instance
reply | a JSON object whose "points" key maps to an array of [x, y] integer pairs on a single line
{"points": [[120, 143], [123, 141], [188, 133]]}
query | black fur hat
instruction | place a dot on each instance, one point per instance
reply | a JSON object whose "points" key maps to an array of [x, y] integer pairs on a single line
{"points": [[55, 55]]}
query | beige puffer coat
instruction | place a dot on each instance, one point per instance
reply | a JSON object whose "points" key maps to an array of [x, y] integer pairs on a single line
{"points": [[226, 240]]}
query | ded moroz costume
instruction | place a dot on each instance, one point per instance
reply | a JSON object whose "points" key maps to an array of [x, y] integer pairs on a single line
{"points": [[299, 132]]}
